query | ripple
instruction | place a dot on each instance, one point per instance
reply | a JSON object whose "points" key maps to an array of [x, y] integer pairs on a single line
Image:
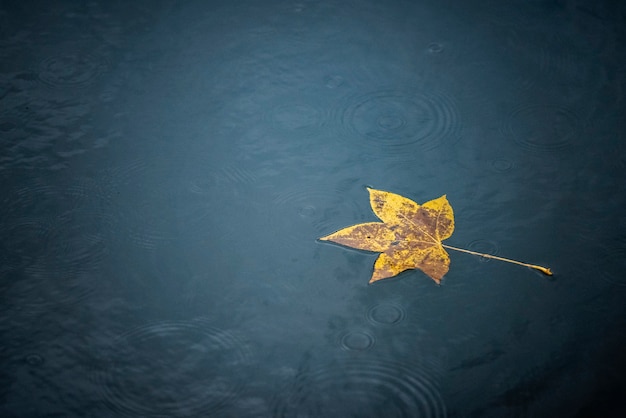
{"points": [[234, 175], [200, 186], [34, 359], [194, 215], [583, 228], [544, 128], [300, 118], [484, 246], [397, 121], [71, 70], [139, 212], [108, 95], [197, 202], [363, 388], [37, 290], [83, 191], [357, 340], [333, 81], [386, 314], [144, 223], [173, 368], [78, 245], [112, 180], [613, 265], [435, 48], [27, 215], [63, 269], [304, 214], [502, 165], [547, 54], [207, 182], [474, 84], [560, 58], [37, 197], [25, 240]]}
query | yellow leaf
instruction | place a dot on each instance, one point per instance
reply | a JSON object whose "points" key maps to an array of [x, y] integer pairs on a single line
{"points": [[410, 236]]}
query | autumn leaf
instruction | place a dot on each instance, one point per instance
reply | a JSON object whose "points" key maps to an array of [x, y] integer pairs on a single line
{"points": [[409, 237]]}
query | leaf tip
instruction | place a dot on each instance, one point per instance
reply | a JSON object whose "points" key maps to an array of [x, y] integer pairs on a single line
{"points": [[376, 276]]}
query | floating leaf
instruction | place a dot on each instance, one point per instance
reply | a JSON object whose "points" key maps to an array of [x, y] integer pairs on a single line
{"points": [[409, 237]]}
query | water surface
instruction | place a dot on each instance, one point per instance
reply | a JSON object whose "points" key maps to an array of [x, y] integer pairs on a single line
{"points": [[167, 168]]}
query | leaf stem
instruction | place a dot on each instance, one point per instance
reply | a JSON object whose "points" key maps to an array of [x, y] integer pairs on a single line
{"points": [[544, 270]]}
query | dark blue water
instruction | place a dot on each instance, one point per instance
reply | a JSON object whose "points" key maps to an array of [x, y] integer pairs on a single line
{"points": [[167, 167]]}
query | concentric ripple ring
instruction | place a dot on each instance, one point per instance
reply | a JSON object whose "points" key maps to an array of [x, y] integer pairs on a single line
{"points": [[173, 368]]}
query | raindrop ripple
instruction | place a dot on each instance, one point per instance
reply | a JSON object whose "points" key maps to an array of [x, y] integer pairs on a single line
{"points": [[544, 128], [173, 368], [363, 388], [385, 314], [484, 246], [397, 121], [356, 340], [71, 70], [310, 212]]}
